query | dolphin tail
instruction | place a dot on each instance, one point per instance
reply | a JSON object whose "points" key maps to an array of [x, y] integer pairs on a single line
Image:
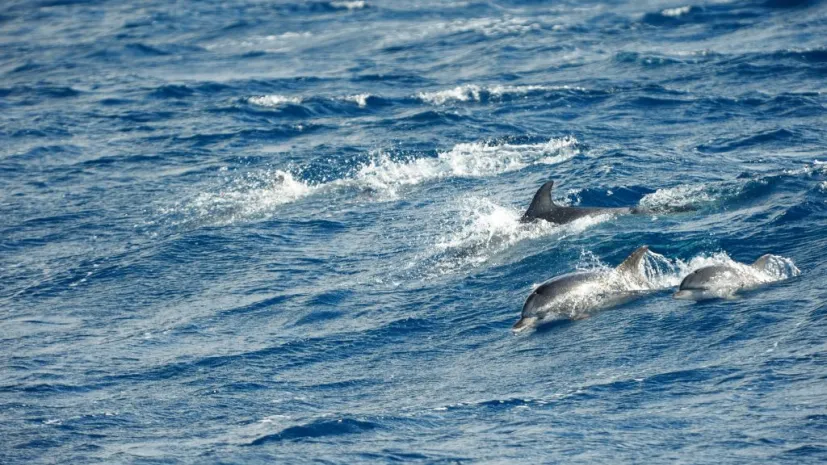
{"points": [[524, 323], [632, 263], [541, 203]]}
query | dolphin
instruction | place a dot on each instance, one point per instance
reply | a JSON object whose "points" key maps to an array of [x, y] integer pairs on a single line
{"points": [[723, 281], [542, 207], [576, 295]]}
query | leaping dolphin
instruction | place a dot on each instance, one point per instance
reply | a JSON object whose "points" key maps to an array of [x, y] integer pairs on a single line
{"points": [[723, 281], [575, 295], [542, 207]]}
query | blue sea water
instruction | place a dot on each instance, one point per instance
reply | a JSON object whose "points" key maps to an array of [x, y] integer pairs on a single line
{"points": [[287, 232]]}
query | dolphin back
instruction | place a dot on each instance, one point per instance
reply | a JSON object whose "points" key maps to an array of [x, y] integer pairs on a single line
{"points": [[631, 266], [704, 278], [543, 207]]}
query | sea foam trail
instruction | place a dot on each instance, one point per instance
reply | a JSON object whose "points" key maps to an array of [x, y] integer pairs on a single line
{"points": [[470, 160], [256, 194], [477, 229]]}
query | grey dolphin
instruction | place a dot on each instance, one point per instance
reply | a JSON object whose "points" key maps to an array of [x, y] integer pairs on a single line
{"points": [[575, 295], [721, 281], [542, 207]]}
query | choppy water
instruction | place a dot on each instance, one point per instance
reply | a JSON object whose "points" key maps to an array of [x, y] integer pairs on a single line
{"points": [[249, 232]]}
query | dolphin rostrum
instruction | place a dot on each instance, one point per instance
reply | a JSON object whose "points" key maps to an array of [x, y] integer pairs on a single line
{"points": [[723, 281], [575, 295], [543, 207]]}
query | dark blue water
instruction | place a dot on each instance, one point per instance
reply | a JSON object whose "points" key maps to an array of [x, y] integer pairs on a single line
{"points": [[274, 232]]}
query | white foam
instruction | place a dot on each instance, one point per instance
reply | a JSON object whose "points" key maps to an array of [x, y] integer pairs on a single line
{"points": [[269, 43], [489, 27], [477, 229], [358, 99], [663, 273], [687, 196], [669, 273], [288, 35], [477, 159], [349, 5], [273, 100], [249, 196], [476, 93], [463, 93], [676, 12], [257, 193]]}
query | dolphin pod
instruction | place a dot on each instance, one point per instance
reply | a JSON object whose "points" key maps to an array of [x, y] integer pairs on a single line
{"points": [[577, 295]]}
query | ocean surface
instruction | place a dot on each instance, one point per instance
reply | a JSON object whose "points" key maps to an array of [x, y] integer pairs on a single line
{"points": [[287, 232]]}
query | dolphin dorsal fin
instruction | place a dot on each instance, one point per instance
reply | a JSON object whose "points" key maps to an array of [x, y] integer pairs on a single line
{"points": [[542, 201], [762, 262], [632, 263]]}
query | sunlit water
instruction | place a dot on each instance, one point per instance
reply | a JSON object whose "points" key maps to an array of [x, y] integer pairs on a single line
{"points": [[255, 232]]}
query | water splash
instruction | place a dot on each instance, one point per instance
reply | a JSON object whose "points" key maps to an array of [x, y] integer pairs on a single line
{"points": [[476, 93], [257, 194], [478, 229], [274, 100]]}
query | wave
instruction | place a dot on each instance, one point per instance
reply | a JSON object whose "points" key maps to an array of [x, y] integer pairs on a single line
{"points": [[476, 93], [317, 429], [686, 197], [468, 160], [256, 194], [463, 93], [349, 5], [274, 100], [490, 27], [358, 99], [689, 197], [279, 101]]}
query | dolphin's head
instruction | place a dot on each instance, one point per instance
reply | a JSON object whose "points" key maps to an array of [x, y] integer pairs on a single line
{"points": [[707, 283]]}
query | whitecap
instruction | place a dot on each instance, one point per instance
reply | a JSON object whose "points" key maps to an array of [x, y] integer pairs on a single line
{"points": [[359, 99], [273, 100], [476, 93], [349, 5], [676, 12], [249, 196]]}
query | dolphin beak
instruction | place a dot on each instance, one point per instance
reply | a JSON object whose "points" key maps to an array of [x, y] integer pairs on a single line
{"points": [[524, 323]]}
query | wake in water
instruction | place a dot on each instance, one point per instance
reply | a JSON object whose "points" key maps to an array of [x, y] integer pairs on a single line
{"points": [[256, 194], [478, 229]]}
